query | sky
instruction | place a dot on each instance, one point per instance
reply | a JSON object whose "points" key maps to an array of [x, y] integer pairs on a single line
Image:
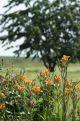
{"points": [[3, 51]]}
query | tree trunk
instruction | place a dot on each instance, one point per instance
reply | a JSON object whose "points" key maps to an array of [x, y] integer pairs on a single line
{"points": [[49, 63]]}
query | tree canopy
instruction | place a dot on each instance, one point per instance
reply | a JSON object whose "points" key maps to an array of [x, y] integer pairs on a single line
{"points": [[49, 28]]}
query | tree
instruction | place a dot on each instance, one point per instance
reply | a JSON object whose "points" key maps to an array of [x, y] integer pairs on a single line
{"points": [[50, 28]]}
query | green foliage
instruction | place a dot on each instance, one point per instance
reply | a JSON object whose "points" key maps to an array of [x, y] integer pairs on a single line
{"points": [[49, 97], [49, 28]]}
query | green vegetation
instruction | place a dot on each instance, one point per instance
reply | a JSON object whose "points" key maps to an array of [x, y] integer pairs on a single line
{"points": [[45, 97], [32, 68]]}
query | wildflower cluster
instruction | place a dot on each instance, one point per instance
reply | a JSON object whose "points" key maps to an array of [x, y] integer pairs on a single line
{"points": [[49, 97]]}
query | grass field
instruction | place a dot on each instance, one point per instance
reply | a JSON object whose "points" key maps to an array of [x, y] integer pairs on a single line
{"points": [[32, 68]]}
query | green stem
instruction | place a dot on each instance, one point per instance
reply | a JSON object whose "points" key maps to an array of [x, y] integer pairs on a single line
{"points": [[64, 78], [74, 107]]}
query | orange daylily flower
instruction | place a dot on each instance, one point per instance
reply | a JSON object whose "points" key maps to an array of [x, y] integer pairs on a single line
{"points": [[65, 58], [67, 91], [68, 83], [44, 73], [16, 81], [20, 87], [22, 77], [77, 87], [37, 90], [57, 79], [29, 82], [49, 82], [2, 106]]}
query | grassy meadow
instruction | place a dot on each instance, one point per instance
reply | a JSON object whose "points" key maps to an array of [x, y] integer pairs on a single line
{"points": [[33, 67]]}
